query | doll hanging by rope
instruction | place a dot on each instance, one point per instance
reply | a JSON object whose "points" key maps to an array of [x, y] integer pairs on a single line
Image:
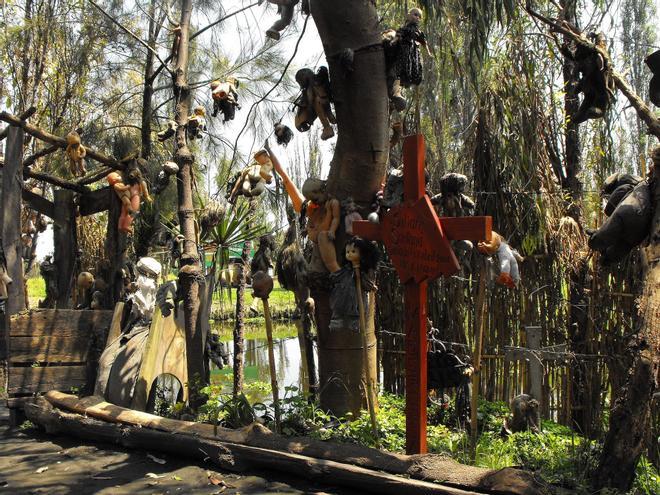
{"points": [[508, 257]]}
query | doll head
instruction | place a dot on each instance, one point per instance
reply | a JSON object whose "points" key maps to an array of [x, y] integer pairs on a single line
{"points": [[314, 190], [361, 252], [348, 205], [114, 178], [200, 111], [414, 16]]}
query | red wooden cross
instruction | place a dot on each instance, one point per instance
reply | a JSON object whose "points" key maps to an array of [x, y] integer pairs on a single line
{"points": [[417, 242]]}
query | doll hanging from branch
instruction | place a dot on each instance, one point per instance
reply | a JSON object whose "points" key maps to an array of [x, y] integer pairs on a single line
{"points": [[314, 101], [76, 153], [251, 182], [225, 98]]}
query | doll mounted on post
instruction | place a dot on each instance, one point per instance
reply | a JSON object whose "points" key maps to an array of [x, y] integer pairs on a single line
{"points": [[314, 101]]}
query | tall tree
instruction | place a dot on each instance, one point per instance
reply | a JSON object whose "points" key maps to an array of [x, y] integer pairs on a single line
{"points": [[190, 271], [357, 169]]}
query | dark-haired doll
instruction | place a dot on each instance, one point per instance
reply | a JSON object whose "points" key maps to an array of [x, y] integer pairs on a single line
{"points": [[343, 295]]}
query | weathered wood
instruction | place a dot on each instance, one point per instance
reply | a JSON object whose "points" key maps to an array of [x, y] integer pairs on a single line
{"points": [[271, 363], [479, 321], [17, 122], [165, 352], [39, 203], [30, 160], [55, 181], [55, 349], [23, 116], [115, 324], [234, 456], [12, 187], [58, 322], [45, 378], [115, 252], [95, 201], [66, 245], [454, 228], [419, 467]]}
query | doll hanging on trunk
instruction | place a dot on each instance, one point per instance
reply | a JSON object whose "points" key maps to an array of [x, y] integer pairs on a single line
{"points": [[402, 57]]}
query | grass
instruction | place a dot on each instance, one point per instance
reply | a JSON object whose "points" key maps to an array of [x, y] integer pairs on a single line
{"points": [[36, 287], [281, 302]]}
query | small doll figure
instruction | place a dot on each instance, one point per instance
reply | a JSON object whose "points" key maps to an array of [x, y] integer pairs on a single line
{"points": [[225, 98], [452, 202], [163, 179], [76, 152], [168, 132], [136, 180], [196, 123], [508, 258], [285, 10], [283, 134], [403, 60], [351, 214], [253, 179], [359, 253], [122, 190], [314, 101]]}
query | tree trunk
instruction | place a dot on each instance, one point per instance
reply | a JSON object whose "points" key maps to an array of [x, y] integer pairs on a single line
{"points": [[631, 411], [239, 323], [577, 324], [190, 271], [357, 169], [148, 90]]}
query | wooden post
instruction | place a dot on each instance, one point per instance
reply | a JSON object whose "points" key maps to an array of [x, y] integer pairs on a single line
{"points": [[12, 188], [271, 363], [372, 399], [476, 361], [115, 251], [66, 245], [533, 336]]}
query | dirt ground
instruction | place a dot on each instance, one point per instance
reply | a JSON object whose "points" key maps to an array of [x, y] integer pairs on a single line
{"points": [[32, 462]]}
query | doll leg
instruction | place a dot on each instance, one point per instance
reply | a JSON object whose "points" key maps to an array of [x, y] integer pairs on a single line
{"points": [[328, 253], [515, 272]]}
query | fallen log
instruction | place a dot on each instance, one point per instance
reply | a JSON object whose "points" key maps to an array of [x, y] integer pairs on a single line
{"points": [[422, 467], [231, 456]]}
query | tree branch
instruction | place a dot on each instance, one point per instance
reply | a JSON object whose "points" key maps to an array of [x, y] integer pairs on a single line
{"points": [[39, 154], [24, 116], [128, 31], [57, 141], [193, 36], [643, 111]]}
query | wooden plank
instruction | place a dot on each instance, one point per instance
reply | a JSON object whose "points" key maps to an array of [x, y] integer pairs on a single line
{"points": [[95, 201], [59, 322], [43, 379], [10, 233], [467, 228], [55, 349], [39, 203], [66, 246]]}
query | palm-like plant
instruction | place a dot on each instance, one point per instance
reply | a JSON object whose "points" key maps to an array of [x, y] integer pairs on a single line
{"points": [[237, 225]]}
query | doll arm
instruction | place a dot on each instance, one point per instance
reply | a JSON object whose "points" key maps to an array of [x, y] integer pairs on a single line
{"points": [[334, 211], [145, 191], [294, 193]]}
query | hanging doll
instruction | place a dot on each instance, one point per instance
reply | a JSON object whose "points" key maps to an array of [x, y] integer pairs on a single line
{"points": [[453, 202], [252, 181], [130, 195], [508, 258], [314, 101], [283, 134], [285, 10], [196, 123], [163, 178], [225, 98], [168, 132], [402, 57], [76, 152]]}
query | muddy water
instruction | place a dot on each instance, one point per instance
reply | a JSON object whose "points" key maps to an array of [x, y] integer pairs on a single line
{"points": [[286, 346]]}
